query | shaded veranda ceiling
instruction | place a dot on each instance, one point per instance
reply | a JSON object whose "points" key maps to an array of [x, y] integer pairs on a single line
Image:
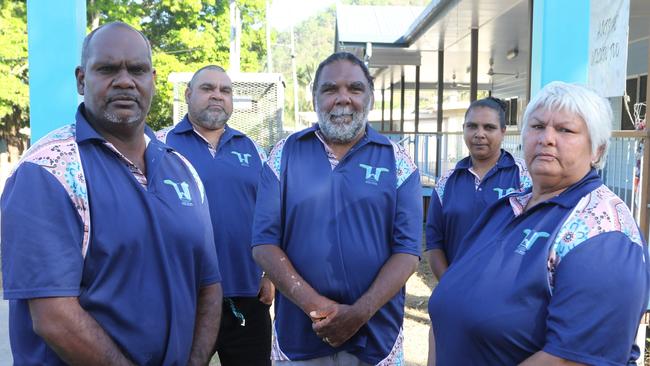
{"points": [[503, 27]]}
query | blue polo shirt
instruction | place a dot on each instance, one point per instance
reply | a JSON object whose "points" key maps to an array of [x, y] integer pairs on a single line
{"points": [[460, 197], [230, 177], [134, 248], [569, 277], [338, 224]]}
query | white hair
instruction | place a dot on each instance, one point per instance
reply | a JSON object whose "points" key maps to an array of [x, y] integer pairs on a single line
{"points": [[584, 103]]}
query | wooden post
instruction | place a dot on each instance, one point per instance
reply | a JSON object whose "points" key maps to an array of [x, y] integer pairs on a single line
{"points": [[417, 99], [439, 114], [383, 105], [401, 100], [645, 172], [390, 111], [473, 81], [643, 184]]}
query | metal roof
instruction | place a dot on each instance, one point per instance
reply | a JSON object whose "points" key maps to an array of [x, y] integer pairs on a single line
{"points": [[374, 24], [504, 40]]}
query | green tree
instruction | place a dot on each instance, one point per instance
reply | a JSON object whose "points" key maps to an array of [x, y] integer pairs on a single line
{"points": [[253, 38], [185, 35], [99, 11], [314, 41], [14, 96]]}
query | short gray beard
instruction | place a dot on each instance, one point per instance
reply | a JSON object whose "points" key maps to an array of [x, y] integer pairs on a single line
{"points": [[114, 118], [210, 120], [341, 133]]}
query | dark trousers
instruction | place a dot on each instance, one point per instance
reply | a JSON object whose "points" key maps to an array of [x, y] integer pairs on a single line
{"points": [[250, 344]]}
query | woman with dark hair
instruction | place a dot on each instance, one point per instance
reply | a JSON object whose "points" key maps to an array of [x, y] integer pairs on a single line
{"points": [[555, 275], [486, 175]]}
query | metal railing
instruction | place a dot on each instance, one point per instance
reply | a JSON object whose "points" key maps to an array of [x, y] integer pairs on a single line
{"points": [[626, 171]]}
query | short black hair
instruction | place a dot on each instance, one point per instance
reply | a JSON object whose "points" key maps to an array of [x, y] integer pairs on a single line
{"points": [[206, 67], [86, 43], [496, 104], [339, 56]]}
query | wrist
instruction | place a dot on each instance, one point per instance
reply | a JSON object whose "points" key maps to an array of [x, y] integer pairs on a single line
{"points": [[363, 310], [309, 304], [315, 302]]}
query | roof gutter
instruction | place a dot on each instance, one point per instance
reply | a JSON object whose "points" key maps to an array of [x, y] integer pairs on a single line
{"points": [[396, 44], [433, 12]]}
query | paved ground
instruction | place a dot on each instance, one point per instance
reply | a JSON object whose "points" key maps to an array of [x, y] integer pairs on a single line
{"points": [[5, 352], [416, 319]]}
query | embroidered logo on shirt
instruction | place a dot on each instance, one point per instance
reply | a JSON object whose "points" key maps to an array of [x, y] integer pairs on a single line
{"points": [[182, 190], [243, 158], [530, 238], [504, 192], [372, 177]]}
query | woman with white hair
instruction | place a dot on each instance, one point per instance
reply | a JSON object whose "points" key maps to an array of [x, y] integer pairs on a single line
{"points": [[557, 274], [477, 181]]}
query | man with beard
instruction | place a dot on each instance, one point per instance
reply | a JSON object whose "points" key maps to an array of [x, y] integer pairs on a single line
{"points": [[107, 247], [338, 226], [229, 164]]}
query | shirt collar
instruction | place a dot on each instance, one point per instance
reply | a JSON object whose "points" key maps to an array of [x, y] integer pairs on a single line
{"points": [[228, 134], [505, 161], [573, 194], [376, 137], [567, 199], [185, 126], [85, 132], [371, 135]]}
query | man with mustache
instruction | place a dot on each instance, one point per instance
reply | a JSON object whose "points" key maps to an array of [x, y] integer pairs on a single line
{"points": [[338, 226], [107, 247], [229, 164]]}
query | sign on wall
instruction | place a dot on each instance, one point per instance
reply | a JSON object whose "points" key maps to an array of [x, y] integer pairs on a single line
{"points": [[608, 34]]}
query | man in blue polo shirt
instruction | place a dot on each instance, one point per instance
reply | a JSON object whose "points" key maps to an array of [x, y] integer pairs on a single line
{"points": [[107, 248], [338, 226], [229, 164]]}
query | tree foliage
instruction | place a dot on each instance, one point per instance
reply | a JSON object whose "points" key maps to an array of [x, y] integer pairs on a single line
{"points": [[314, 41], [185, 35], [14, 96]]}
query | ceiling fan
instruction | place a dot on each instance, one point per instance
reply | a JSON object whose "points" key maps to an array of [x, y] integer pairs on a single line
{"points": [[491, 71], [454, 84]]}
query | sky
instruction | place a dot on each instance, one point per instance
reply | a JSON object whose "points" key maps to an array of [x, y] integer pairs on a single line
{"points": [[284, 12]]}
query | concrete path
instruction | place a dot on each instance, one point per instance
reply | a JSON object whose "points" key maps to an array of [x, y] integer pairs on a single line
{"points": [[5, 351]]}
